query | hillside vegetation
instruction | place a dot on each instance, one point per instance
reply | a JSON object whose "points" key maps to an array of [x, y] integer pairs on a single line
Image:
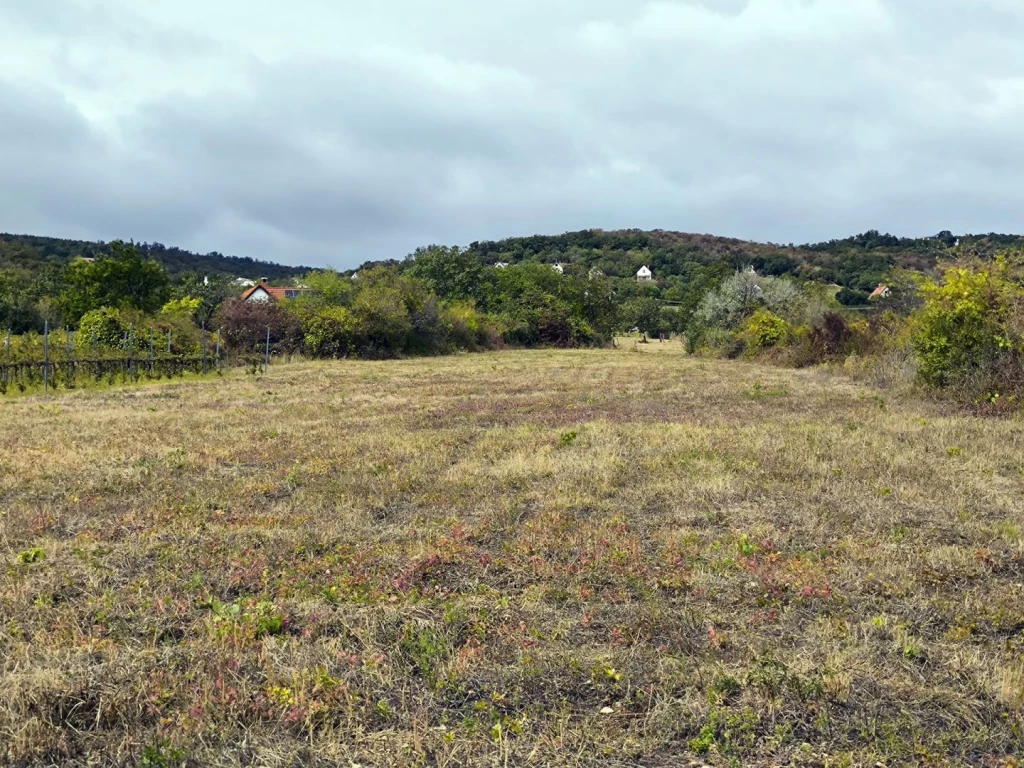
{"points": [[32, 253], [563, 557]]}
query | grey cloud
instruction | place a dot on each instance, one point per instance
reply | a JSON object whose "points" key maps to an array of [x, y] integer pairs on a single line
{"points": [[358, 133]]}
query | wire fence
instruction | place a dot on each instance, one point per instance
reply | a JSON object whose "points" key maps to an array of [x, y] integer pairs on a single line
{"points": [[74, 362]]}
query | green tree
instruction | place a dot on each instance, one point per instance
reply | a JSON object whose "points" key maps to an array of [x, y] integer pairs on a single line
{"points": [[646, 315], [212, 291], [123, 280], [451, 273]]}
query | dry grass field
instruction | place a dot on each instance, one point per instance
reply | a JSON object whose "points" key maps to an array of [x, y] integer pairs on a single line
{"points": [[519, 558]]}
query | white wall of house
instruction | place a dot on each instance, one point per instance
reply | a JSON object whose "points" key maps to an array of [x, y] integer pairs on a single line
{"points": [[259, 295]]}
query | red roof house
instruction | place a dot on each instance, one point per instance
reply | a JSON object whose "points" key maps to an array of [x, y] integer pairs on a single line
{"points": [[264, 291]]}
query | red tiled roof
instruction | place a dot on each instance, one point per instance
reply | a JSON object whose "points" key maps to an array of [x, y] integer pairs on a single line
{"points": [[276, 293], [880, 292]]}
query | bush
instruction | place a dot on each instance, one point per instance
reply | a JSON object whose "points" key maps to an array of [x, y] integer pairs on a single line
{"points": [[244, 325], [851, 298], [328, 332], [764, 330], [105, 328], [465, 327], [969, 332]]}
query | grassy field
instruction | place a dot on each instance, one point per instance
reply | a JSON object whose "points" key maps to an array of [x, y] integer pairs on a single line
{"points": [[562, 558]]}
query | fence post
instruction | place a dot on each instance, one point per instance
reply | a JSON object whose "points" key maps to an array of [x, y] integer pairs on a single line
{"points": [[168, 342], [46, 356], [131, 352], [266, 359], [204, 346], [152, 352], [217, 353]]}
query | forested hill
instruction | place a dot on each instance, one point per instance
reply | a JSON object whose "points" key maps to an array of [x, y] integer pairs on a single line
{"points": [[858, 263], [33, 253]]}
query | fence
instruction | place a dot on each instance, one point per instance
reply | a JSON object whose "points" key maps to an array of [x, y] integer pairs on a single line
{"points": [[72, 365]]}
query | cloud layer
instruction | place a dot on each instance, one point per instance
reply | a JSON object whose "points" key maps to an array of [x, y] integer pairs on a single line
{"points": [[326, 132]]}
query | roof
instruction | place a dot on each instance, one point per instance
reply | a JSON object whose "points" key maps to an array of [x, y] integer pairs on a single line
{"points": [[880, 292], [276, 293]]}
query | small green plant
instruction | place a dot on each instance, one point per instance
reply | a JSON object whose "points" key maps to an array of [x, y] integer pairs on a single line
{"points": [[759, 392], [567, 438], [161, 755], [267, 620], [954, 451], [30, 556]]}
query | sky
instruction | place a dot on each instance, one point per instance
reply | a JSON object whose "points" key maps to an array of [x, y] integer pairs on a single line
{"points": [[331, 132]]}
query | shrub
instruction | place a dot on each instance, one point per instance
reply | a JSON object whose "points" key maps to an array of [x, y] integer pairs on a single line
{"points": [[830, 335], [969, 332], [764, 330], [721, 343], [741, 295], [328, 332], [245, 323], [465, 327], [103, 327]]}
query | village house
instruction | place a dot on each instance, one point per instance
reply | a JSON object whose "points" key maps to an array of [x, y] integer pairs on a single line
{"points": [[644, 275], [558, 268], [881, 292], [263, 291]]}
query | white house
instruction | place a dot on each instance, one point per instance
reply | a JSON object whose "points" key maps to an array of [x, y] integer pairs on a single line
{"points": [[644, 275], [500, 264], [241, 282], [558, 268]]}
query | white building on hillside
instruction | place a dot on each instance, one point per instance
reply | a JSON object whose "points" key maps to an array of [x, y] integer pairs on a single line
{"points": [[644, 275], [558, 268]]}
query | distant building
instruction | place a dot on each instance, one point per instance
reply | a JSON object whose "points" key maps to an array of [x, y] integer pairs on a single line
{"points": [[644, 274], [266, 292], [558, 268], [500, 264], [241, 282], [595, 273], [881, 292]]}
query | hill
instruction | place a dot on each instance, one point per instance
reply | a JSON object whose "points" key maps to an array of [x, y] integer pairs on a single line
{"points": [[35, 253], [858, 263]]}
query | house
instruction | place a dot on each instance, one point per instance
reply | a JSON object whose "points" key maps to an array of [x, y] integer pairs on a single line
{"points": [[500, 264], [241, 282], [558, 268], [265, 292], [644, 275], [881, 292]]}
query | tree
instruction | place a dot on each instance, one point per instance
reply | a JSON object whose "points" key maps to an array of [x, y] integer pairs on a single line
{"points": [[646, 315], [122, 280], [210, 291], [18, 310], [452, 274]]}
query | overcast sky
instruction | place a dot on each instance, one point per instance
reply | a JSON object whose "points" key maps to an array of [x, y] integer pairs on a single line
{"points": [[333, 131]]}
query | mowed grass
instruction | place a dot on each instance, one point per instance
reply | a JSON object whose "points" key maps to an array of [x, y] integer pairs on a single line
{"points": [[519, 558]]}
